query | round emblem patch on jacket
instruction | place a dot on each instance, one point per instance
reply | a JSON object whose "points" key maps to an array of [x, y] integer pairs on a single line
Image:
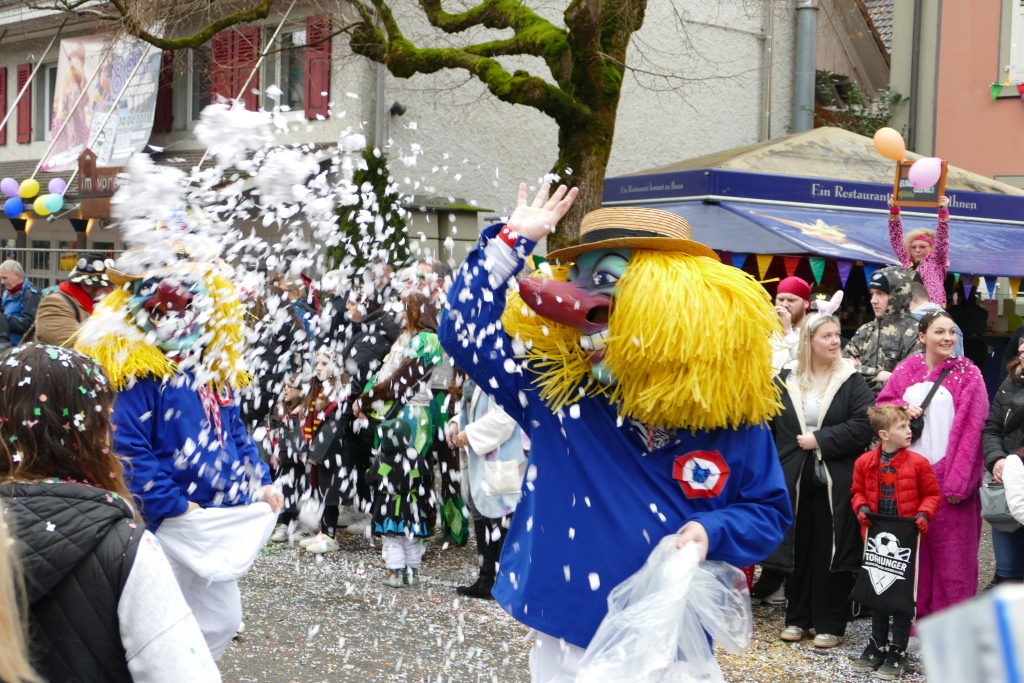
{"points": [[701, 474]]}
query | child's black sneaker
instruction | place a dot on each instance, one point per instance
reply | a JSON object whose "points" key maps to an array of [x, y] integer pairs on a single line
{"points": [[872, 658], [412, 576], [896, 663]]}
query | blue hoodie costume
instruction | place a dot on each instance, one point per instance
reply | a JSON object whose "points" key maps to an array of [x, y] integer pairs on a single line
{"points": [[174, 455], [595, 500]]}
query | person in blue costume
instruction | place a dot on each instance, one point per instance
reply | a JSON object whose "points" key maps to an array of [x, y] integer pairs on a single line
{"points": [[642, 375], [170, 340]]}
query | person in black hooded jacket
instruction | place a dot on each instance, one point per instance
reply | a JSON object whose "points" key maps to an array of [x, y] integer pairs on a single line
{"points": [[103, 603], [822, 430]]}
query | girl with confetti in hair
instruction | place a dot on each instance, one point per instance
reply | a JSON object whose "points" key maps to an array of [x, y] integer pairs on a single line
{"points": [[103, 603]]}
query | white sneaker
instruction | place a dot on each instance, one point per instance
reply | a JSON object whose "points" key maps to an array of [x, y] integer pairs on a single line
{"points": [[280, 534], [358, 528], [326, 544], [304, 538], [776, 599], [349, 516]]}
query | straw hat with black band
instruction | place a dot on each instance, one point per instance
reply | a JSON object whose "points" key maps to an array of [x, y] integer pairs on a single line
{"points": [[633, 228]]}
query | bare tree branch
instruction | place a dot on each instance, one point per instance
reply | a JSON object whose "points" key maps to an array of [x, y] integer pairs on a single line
{"points": [[127, 17]]}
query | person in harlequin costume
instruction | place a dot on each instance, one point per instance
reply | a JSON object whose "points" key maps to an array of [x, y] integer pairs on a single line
{"points": [[642, 375], [170, 340]]}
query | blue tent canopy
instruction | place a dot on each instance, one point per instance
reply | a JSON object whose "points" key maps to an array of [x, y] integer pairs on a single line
{"points": [[748, 212]]}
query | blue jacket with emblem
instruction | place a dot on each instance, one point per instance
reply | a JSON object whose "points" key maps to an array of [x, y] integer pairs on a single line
{"points": [[595, 501], [174, 453]]}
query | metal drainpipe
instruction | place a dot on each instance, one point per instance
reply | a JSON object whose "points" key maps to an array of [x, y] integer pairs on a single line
{"points": [[380, 122], [769, 63], [915, 67], [803, 83]]}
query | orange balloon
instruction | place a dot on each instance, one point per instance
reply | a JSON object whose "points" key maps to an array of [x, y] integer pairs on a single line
{"points": [[889, 143]]}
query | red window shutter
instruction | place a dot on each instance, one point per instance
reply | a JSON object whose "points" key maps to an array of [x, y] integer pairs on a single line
{"points": [[25, 104], [163, 117], [222, 54], [318, 65], [3, 103], [246, 54]]}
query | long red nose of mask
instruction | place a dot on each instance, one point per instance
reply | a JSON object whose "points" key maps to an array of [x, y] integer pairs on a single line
{"points": [[566, 303]]}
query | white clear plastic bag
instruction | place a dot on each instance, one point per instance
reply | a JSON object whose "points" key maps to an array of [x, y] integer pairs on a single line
{"points": [[659, 620]]}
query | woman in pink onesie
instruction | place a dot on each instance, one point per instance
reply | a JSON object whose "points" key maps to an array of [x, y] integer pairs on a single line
{"points": [[951, 441], [926, 252]]}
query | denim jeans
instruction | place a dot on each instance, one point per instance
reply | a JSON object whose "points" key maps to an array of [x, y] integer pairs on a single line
{"points": [[1009, 551]]}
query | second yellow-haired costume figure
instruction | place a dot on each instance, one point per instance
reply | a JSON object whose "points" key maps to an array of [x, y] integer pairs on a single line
{"points": [[642, 374], [170, 340]]}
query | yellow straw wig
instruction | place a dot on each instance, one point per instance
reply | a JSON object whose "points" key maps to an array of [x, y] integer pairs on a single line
{"points": [[126, 354], [688, 345]]}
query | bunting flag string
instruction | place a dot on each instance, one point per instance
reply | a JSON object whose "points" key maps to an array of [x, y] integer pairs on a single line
{"points": [[956, 276], [791, 262], [844, 270], [968, 287], [994, 90], [763, 262], [817, 267], [738, 260], [1014, 286]]}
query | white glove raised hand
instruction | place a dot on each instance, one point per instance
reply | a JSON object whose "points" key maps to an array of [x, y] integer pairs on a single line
{"points": [[538, 220]]}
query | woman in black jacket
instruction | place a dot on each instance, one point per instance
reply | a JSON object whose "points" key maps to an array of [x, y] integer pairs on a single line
{"points": [[999, 443], [822, 430]]}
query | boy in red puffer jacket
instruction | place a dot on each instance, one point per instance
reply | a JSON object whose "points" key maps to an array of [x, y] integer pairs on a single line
{"points": [[890, 480]]}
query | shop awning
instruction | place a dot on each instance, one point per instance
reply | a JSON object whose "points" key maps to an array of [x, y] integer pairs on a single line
{"points": [[725, 230], [978, 248]]}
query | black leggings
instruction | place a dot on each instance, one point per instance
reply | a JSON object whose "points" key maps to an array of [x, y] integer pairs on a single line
{"points": [[900, 630]]}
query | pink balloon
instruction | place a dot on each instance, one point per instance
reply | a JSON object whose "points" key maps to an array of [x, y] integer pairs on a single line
{"points": [[925, 173]]}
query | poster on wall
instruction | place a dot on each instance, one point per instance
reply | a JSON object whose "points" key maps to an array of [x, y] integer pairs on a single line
{"points": [[128, 128]]}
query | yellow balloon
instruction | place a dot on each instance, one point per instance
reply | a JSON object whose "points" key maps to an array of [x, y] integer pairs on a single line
{"points": [[28, 189], [889, 143], [40, 206]]}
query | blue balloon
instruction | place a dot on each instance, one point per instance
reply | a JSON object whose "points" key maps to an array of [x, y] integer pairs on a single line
{"points": [[53, 202], [14, 207]]}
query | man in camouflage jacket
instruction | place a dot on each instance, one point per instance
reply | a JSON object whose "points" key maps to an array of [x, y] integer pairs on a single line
{"points": [[880, 345]]}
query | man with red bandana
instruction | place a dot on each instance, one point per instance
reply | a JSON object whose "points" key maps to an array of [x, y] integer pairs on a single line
{"points": [[603, 487], [792, 299]]}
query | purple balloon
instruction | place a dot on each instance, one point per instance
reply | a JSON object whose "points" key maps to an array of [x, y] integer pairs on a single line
{"points": [[9, 186], [57, 186], [925, 173]]}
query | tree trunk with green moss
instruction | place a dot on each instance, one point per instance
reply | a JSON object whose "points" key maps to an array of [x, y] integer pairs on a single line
{"points": [[586, 60]]}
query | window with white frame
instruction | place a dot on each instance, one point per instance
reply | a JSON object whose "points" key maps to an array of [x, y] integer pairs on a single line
{"points": [[44, 91], [285, 67], [199, 86], [1014, 57]]}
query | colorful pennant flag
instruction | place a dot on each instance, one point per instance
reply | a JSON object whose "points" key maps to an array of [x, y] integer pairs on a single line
{"points": [[791, 263], [956, 276], [844, 270], [817, 267], [738, 260], [991, 282], [968, 287], [1014, 286], [763, 262], [995, 89], [869, 270]]}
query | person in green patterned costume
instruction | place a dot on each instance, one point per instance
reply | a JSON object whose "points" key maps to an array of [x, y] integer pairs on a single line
{"points": [[400, 409]]}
